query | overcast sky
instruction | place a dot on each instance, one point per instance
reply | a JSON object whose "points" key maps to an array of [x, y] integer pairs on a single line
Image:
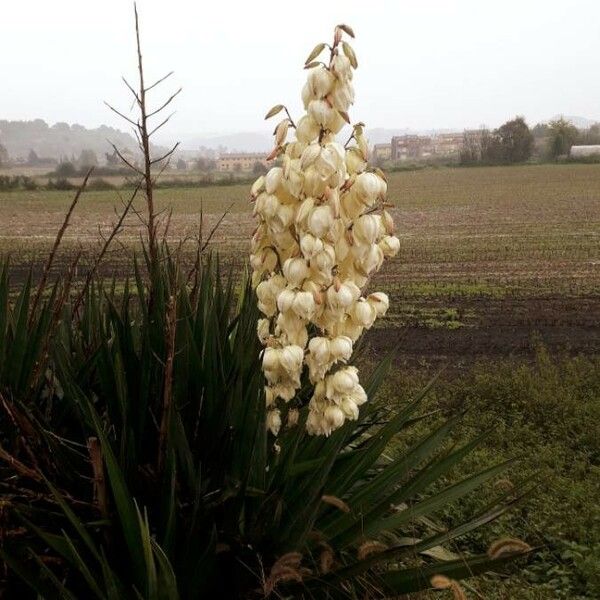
{"points": [[422, 64]]}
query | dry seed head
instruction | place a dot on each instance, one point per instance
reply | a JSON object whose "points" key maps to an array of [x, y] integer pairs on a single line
{"points": [[505, 546], [326, 559], [441, 582], [370, 547], [457, 591], [337, 502]]}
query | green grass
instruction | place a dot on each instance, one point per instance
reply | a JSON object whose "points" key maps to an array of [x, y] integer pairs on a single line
{"points": [[548, 413]]}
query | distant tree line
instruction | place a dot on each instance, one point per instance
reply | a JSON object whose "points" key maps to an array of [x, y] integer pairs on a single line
{"points": [[515, 142], [510, 143]]}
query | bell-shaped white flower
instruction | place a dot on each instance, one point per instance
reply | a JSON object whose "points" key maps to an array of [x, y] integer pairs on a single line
{"points": [[334, 417], [390, 245], [273, 180], [321, 81], [379, 301], [291, 358], [310, 245], [304, 304], [364, 314], [295, 270], [366, 228], [320, 221], [341, 348], [307, 129], [340, 296]]}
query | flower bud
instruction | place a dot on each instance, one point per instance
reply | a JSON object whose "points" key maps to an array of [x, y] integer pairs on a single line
{"points": [[355, 163], [281, 132], [388, 222], [292, 417], [274, 421], [264, 330], [341, 67]]}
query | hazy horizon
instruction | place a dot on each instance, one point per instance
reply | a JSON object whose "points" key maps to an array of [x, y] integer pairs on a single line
{"points": [[438, 65]]}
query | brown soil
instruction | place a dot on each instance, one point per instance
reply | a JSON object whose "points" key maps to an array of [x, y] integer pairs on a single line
{"points": [[501, 328]]}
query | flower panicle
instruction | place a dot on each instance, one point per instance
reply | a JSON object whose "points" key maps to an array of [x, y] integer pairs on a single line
{"points": [[323, 230]]}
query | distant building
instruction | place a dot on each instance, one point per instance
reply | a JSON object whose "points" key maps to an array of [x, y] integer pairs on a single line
{"points": [[405, 147], [447, 144], [583, 151], [382, 152], [240, 161], [440, 145]]}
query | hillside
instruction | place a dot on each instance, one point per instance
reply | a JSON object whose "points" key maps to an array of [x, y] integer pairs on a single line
{"points": [[59, 140]]}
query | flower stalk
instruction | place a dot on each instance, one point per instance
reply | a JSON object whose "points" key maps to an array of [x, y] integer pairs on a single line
{"points": [[323, 231]]}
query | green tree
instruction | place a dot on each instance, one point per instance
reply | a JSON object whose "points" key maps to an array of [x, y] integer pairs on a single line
{"points": [[563, 135], [87, 159], [516, 140], [259, 168], [66, 169], [3, 155], [33, 158]]}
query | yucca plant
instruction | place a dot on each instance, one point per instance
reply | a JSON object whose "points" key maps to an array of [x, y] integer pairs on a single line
{"points": [[145, 468], [136, 461]]}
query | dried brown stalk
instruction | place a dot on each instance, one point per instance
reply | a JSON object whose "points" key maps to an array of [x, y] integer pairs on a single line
{"points": [[50, 260], [100, 493], [170, 331], [144, 131]]}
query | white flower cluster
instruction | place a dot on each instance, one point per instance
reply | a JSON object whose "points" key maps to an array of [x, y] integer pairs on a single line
{"points": [[323, 231]]}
